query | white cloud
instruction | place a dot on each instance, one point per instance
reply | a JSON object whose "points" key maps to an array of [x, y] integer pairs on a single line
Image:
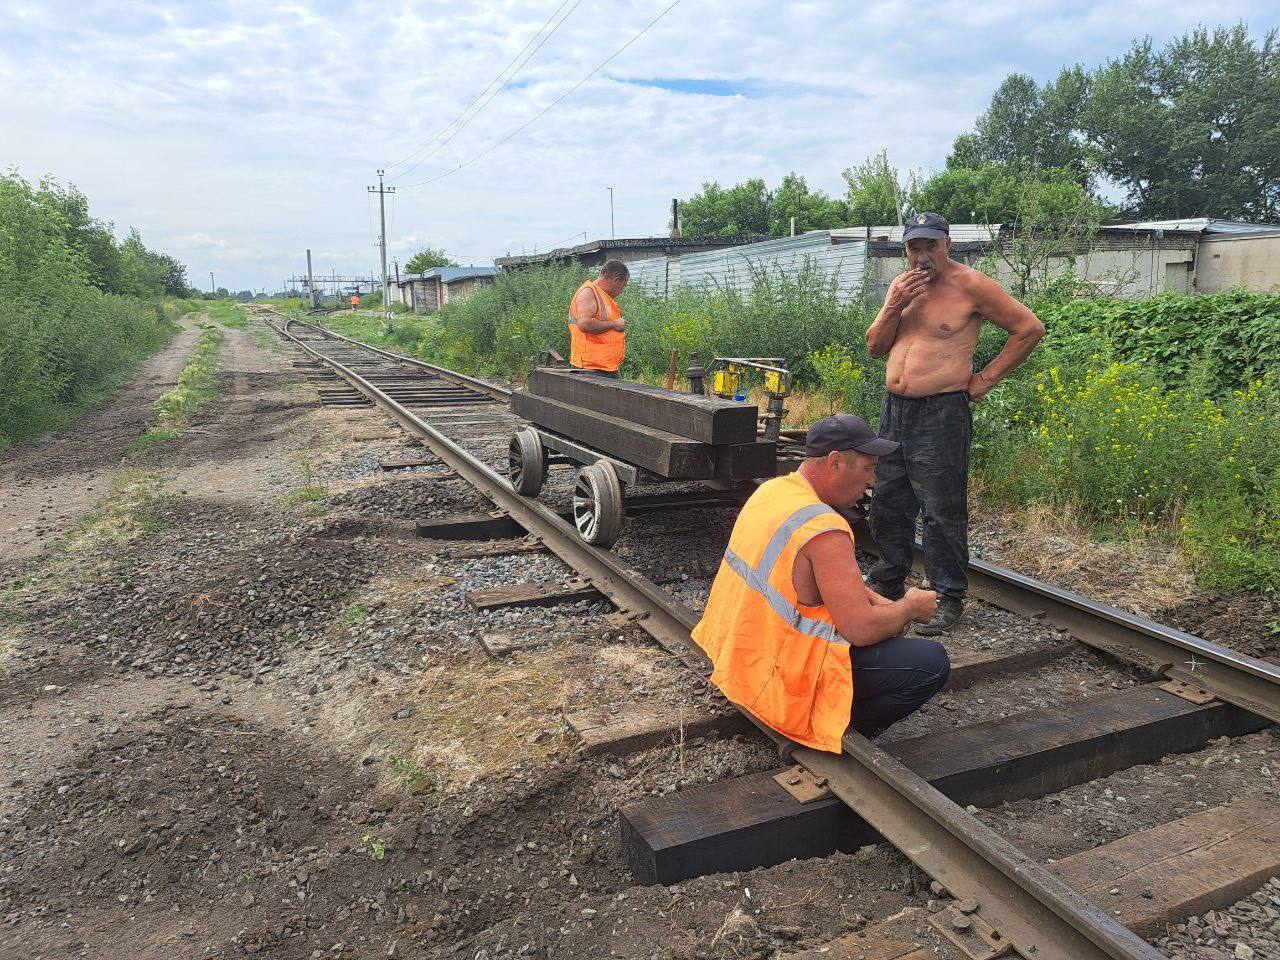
{"points": [[235, 135]]}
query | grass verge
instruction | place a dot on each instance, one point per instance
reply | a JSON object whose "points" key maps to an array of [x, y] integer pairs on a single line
{"points": [[228, 314], [197, 385]]}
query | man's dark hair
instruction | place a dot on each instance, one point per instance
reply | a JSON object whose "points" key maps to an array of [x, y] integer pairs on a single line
{"points": [[615, 270]]}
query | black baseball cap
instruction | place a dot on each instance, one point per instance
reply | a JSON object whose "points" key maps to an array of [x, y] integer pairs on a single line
{"points": [[932, 226], [844, 431]]}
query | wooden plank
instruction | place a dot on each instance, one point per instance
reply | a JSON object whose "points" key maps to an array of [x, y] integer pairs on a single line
{"points": [[531, 595], [634, 728], [665, 454], [1202, 862], [751, 822], [390, 464], [502, 548], [503, 643], [889, 939], [970, 666], [697, 417], [747, 461], [472, 526]]}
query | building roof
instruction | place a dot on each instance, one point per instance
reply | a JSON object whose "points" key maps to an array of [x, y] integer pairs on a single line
{"points": [[597, 246], [960, 232], [450, 274], [1202, 224]]}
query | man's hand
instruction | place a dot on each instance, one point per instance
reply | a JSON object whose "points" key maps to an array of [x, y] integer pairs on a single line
{"points": [[921, 604], [620, 325], [906, 288], [978, 387]]}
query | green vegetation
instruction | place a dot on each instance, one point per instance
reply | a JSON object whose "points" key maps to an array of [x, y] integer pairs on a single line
{"points": [[227, 313], [308, 494], [428, 258], [196, 386], [354, 616], [79, 310]]}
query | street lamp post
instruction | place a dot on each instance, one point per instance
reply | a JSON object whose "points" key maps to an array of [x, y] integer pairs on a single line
{"points": [[613, 234]]}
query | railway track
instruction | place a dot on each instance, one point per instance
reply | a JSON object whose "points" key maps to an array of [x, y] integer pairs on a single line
{"points": [[1017, 904]]}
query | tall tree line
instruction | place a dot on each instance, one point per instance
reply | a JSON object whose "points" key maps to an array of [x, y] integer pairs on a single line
{"points": [[1190, 129]]}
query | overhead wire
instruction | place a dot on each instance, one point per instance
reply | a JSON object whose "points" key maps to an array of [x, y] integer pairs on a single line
{"points": [[522, 65], [547, 109]]}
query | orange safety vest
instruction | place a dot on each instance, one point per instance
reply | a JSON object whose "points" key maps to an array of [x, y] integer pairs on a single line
{"points": [[597, 351], [782, 660]]}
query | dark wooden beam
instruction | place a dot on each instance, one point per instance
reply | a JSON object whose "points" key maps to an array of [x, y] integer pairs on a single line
{"points": [[531, 595], [665, 454], [471, 526], [703, 418], [752, 822]]}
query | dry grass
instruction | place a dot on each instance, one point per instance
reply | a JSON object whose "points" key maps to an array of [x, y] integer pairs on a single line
{"points": [[1143, 574]]}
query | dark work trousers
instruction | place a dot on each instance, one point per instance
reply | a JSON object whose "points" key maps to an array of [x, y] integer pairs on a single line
{"points": [[893, 679], [928, 473], [611, 374]]}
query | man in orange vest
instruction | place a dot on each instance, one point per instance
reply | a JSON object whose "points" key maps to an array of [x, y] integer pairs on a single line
{"points": [[597, 332], [793, 634], [355, 301]]}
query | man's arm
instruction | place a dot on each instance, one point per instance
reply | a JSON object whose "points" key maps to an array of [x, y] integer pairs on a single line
{"points": [[584, 309], [1024, 327], [884, 330], [859, 620]]}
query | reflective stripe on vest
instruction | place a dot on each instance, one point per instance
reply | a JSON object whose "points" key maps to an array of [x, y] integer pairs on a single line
{"points": [[757, 577]]}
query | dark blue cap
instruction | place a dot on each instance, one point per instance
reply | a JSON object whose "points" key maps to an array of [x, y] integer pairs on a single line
{"points": [[844, 431], [932, 226]]}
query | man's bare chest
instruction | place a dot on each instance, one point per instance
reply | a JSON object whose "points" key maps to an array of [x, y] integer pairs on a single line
{"points": [[940, 317]]}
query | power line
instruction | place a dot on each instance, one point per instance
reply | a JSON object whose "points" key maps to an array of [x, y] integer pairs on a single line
{"points": [[439, 146], [545, 110]]}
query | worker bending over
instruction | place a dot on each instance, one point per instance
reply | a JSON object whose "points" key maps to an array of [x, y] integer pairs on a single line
{"points": [[928, 327], [597, 332], [793, 634]]}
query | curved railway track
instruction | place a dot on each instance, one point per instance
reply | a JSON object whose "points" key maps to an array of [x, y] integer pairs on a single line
{"points": [[1034, 911]]}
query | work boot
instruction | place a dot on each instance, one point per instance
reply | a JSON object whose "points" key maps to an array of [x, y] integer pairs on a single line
{"points": [[948, 614], [890, 591]]}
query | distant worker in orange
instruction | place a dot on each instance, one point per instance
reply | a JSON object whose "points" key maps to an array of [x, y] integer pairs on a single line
{"points": [[792, 633], [355, 301], [597, 332]]}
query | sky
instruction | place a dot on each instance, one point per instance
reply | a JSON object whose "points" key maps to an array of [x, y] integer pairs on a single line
{"points": [[236, 135]]}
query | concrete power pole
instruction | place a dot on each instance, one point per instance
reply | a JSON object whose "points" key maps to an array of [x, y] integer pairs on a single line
{"points": [[311, 282], [382, 192], [213, 290]]}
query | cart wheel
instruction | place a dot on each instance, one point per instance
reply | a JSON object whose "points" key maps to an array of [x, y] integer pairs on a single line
{"points": [[526, 462], [597, 504]]}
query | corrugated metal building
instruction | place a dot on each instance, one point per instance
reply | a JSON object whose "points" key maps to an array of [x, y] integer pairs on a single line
{"points": [[734, 267], [432, 289]]}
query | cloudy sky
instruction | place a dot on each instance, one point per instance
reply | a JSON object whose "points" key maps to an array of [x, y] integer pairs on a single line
{"points": [[235, 135]]}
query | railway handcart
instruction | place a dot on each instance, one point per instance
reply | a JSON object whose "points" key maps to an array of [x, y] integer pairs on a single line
{"points": [[618, 434]]}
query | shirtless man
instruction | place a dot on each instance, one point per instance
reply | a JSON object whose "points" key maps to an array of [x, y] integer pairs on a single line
{"points": [[929, 327]]}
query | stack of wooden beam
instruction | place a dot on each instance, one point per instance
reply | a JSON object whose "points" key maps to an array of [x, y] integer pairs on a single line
{"points": [[678, 436]]}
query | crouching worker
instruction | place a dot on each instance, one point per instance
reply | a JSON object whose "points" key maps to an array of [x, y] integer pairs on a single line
{"points": [[793, 634]]}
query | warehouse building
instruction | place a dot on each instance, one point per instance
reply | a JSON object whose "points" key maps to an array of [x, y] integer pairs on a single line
{"points": [[429, 291]]}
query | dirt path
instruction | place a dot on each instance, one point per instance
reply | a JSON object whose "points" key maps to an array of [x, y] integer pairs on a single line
{"points": [[46, 485]]}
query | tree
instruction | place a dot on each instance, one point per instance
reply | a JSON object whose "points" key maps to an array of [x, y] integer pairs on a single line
{"points": [[1028, 126], [1194, 128], [719, 212], [996, 193], [812, 209], [428, 259], [871, 194]]}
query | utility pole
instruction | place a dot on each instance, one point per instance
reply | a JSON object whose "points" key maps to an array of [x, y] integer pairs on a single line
{"points": [[311, 282], [613, 235], [213, 290], [382, 192], [675, 219]]}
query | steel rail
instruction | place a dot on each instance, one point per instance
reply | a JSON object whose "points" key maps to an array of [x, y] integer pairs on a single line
{"points": [[483, 386], [1035, 911]]}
